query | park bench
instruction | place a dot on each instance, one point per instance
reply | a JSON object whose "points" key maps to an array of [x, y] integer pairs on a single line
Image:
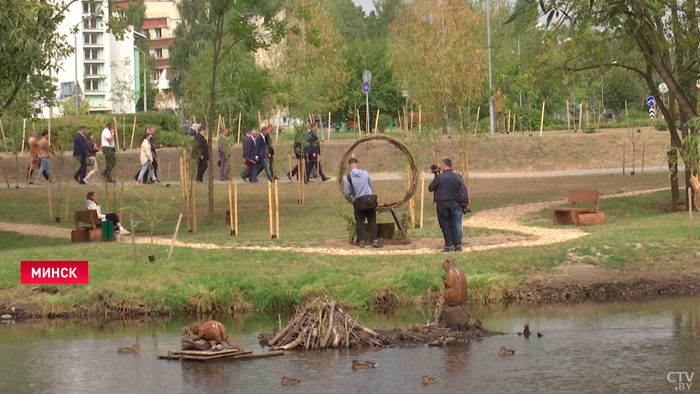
{"points": [[90, 233], [577, 215]]}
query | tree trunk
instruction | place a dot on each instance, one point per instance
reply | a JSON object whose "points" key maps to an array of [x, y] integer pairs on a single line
{"points": [[445, 118], [212, 103]]}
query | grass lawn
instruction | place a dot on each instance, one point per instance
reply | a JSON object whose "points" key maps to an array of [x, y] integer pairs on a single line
{"points": [[198, 280]]}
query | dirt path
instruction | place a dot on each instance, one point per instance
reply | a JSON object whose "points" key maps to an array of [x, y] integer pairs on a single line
{"points": [[505, 218]]}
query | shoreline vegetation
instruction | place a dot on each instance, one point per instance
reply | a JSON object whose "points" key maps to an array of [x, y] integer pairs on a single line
{"points": [[642, 250]]}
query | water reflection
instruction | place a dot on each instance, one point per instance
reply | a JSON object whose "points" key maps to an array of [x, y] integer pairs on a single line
{"points": [[590, 347]]}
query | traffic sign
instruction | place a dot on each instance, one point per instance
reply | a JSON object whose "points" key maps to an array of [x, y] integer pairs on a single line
{"points": [[404, 93], [367, 76], [651, 101], [697, 84], [663, 88], [365, 87], [652, 113]]}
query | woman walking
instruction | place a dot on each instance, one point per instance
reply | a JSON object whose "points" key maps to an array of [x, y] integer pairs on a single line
{"points": [[91, 158], [45, 151], [35, 163], [146, 160]]}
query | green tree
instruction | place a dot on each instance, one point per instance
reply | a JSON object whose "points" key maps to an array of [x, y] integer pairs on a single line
{"points": [[659, 41], [436, 46]]}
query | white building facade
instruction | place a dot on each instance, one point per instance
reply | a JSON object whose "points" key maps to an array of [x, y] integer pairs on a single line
{"points": [[89, 73]]}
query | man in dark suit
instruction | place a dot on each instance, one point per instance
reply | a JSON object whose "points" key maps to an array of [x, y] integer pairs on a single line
{"points": [[249, 151], [313, 152], [261, 156], [80, 151], [202, 153]]}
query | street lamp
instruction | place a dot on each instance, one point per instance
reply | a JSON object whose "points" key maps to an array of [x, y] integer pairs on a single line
{"points": [[145, 108]]}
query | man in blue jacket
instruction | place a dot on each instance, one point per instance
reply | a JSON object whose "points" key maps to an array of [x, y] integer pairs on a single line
{"points": [[358, 184], [80, 151], [249, 151], [446, 186]]}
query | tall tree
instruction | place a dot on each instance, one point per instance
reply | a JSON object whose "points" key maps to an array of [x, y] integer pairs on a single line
{"points": [[310, 64], [657, 40], [226, 25], [436, 46]]}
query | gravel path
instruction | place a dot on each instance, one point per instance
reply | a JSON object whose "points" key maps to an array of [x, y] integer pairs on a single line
{"points": [[506, 218]]}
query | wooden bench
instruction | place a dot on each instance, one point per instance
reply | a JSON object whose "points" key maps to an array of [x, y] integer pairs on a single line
{"points": [[90, 233], [577, 215]]}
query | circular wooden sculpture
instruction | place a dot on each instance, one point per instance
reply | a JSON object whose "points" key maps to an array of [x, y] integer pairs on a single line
{"points": [[343, 168]]}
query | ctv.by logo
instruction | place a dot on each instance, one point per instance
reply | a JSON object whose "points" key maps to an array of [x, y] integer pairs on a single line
{"points": [[683, 380]]}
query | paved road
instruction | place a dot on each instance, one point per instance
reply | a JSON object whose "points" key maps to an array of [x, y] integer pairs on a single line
{"points": [[387, 176]]}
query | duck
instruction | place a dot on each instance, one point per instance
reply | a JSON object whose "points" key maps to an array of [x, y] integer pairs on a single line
{"points": [[363, 364], [131, 349], [287, 381], [429, 380], [506, 352], [526, 330], [539, 335]]}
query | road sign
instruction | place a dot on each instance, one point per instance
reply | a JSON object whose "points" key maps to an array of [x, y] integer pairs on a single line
{"points": [[404, 93], [652, 113], [651, 101], [697, 84], [663, 88], [365, 87], [367, 76]]}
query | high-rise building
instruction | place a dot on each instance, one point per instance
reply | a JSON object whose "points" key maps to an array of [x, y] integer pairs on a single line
{"points": [[162, 17], [99, 62]]}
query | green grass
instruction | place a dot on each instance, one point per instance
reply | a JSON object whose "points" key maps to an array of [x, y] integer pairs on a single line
{"points": [[640, 235]]}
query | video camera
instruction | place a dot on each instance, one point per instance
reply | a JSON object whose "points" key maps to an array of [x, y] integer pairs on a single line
{"points": [[435, 169]]}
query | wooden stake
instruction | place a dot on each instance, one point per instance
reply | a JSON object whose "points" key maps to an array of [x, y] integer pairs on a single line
{"points": [[182, 181], [329, 138], [239, 129], [690, 214], [542, 120], [107, 197], [172, 242], [133, 131], [627, 115], [376, 122], [303, 181], [398, 112], [405, 120], [48, 191], [133, 236], [230, 208], [420, 116], [580, 116], [478, 112], [411, 117], [65, 216], [422, 198], [600, 111], [7, 180], [359, 127], [643, 158], [186, 191], [2, 129], [277, 209], [568, 117], [235, 209], [623, 157], [121, 199], [269, 210], [116, 132], [194, 207], [508, 125], [24, 127], [411, 210], [218, 126]]}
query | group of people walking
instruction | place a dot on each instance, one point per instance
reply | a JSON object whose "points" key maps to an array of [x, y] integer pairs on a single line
{"points": [[308, 148]]}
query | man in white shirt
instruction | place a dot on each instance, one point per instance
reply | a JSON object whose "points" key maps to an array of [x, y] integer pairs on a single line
{"points": [[107, 143]]}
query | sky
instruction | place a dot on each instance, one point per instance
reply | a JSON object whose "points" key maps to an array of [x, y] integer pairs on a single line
{"points": [[366, 5]]}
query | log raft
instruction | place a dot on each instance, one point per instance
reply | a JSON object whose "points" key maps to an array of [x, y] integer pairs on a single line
{"points": [[233, 354]]}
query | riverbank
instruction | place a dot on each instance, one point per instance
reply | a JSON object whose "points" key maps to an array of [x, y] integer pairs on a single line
{"points": [[641, 250]]}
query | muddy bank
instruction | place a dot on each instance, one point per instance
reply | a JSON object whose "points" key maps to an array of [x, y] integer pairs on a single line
{"points": [[577, 282]]}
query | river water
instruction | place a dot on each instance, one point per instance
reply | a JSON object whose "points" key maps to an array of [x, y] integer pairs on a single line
{"points": [[616, 347]]}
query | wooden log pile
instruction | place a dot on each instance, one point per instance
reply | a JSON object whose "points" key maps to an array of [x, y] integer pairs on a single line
{"points": [[322, 324]]}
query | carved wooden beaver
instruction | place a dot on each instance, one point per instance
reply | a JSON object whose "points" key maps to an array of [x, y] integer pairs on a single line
{"points": [[455, 294], [186, 342], [213, 332]]}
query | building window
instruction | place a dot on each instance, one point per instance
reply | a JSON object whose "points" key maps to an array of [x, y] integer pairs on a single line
{"points": [[147, 33], [159, 53], [89, 7], [92, 85], [92, 69], [157, 74], [90, 38], [92, 54], [157, 33], [90, 23]]}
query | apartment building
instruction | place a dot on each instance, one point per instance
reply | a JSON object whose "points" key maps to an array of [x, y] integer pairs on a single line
{"points": [[88, 73], [162, 17]]}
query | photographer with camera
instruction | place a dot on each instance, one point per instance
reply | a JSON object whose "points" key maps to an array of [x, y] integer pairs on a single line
{"points": [[447, 186]]}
